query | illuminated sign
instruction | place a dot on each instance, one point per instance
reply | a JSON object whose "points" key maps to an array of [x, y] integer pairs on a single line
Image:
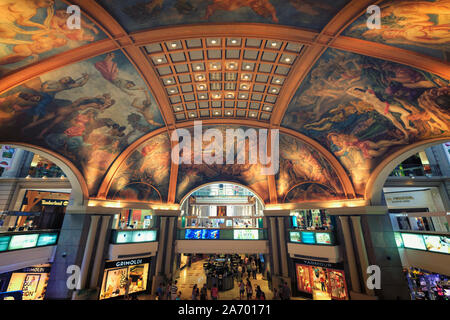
{"points": [[46, 239], [413, 241], [308, 237], [48, 202], [202, 234], [144, 236], [294, 236], [4, 242], [23, 241], [245, 235], [135, 236], [437, 243], [323, 238], [398, 240]]}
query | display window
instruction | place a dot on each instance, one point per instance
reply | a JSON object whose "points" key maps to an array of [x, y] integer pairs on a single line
{"points": [[119, 275], [425, 285], [323, 283], [31, 281], [311, 220]]}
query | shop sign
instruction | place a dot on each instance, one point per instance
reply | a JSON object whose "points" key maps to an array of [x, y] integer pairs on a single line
{"points": [[245, 235], [323, 238], [23, 241], [6, 156], [126, 263], [413, 241], [34, 270], [49, 202], [322, 264]]}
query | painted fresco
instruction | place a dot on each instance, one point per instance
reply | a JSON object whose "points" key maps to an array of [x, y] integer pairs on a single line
{"points": [[360, 108], [192, 175], [417, 25], [138, 14], [88, 112], [302, 165], [31, 30], [145, 174]]}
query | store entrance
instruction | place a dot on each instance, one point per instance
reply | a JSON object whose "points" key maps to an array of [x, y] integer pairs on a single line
{"points": [[224, 272]]}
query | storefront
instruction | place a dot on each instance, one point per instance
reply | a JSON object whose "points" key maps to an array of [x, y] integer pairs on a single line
{"points": [[135, 219], [321, 280], [117, 273], [314, 219], [32, 281], [425, 285]]}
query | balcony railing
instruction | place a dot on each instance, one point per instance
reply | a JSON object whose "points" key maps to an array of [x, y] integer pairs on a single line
{"points": [[315, 237], [424, 240], [222, 234], [27, 239]]}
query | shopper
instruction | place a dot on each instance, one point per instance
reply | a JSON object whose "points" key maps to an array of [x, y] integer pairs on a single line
{"points": [[178, 297], [204, 293], [174, 290], [254, 268], [214, 292], [127, 288], [249, 290], [286, 292], [239, 273], [168, 290], [260, 294], [160, 292], [195, 292], [241, 290], [276, 294]]}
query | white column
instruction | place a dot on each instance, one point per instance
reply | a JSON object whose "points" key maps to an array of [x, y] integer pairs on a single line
{"points": [[88, 250], [362, 252], [99, 252], [350, 254]]}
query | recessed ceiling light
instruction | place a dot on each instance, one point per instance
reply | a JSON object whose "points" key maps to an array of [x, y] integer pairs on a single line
{"points": [[274, 90], [202, 87], [198, 67], [287, 59], [278, 81], [192, 115], [228, 112], [159, 60], [172, 91], [273, 44], [216, 113], [252, 114], [247, 66], [169, 81], [234, 41], [242, 96], [267, 108], [173, 45], [244, 86], [230, 95], [213, 41], [246, 77], [202, 96]]}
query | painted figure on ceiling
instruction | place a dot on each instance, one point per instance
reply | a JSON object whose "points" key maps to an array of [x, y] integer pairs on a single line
{"points": [[419, 23], [261, 7], [109, 70], [146, 109]]}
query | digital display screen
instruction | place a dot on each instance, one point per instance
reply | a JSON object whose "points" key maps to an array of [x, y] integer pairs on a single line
{"points": [[23, 241], [123, 237], [4, 241], [413, 241], [308, 237], [211, 234], [246, 235], [294, 236], [143, 236], [193, 234], [47, 239], [323, 238], [398, 240], [437, 243]]}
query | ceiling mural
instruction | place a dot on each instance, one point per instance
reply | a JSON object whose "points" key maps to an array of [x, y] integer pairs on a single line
{"points": [[144, 176], [31, 30], [359, 107], [89, 112], [193, 175], [416, 25], [137, 15], [305, 175]]}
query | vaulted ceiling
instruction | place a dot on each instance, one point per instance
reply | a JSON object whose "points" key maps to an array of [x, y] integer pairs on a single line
{"points": [[106, 97]]}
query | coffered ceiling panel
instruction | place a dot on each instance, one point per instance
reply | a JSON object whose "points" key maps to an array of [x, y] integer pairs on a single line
{"points": [[223, 77]]}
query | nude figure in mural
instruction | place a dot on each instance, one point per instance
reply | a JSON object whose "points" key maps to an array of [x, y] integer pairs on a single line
{"points": [[65, 83], [18, 13], [384, 108], [62, 113], [58, 24], [146, 109], [108, 69], [261, 7]]}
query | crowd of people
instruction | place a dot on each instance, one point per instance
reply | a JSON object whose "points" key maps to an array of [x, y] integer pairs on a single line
{"points": [[243, 271]]}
